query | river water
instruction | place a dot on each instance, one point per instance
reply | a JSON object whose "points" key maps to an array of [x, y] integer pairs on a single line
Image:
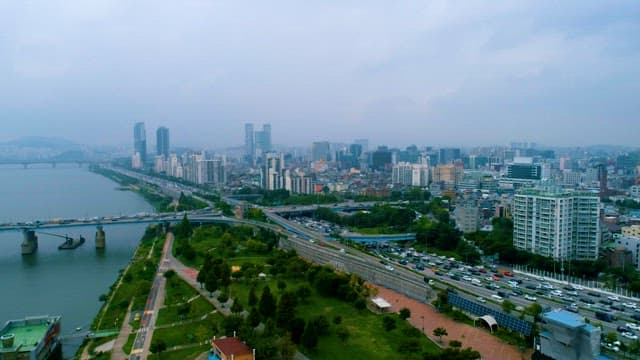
{"points": [[68, 282]]}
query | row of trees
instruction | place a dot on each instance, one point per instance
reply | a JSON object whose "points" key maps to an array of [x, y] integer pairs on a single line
{"points": [[397, 218]]}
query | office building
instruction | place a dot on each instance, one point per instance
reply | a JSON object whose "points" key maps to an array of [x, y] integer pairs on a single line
{"points": [[557, 223], [263, 139], [214, 171], [632, 244], [568, 337], [162, 142], [364, 144], [381, 159], [320, 151], [523, 168], [140, 142], [448, 155], [249, 142]]}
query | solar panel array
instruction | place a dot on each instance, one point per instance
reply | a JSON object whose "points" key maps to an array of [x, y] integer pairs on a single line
{"points": [[479, 309]]}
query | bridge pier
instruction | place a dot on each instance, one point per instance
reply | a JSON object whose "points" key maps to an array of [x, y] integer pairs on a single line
{"points": [[29, 242], [101, 240]]}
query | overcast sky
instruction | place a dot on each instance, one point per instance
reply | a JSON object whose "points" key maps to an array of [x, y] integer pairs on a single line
{"points": [[395, 72]]}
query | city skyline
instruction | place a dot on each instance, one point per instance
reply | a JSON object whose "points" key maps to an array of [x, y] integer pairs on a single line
{"points": [[434, 73]]}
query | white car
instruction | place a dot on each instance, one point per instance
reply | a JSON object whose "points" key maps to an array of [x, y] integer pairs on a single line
{"points": [[556, 293], [613, 298], [530, 298], [481, 299], [633, 326], [466, 278], [578, 287], [629, 335], [629, 305], [389, 267]]}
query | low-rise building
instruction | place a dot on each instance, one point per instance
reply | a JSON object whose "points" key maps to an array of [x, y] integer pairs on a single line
{"points": [[567, 336], [231, 348]]}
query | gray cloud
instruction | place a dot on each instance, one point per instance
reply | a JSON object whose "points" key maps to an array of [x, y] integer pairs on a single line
{"points": [[437, 72]]}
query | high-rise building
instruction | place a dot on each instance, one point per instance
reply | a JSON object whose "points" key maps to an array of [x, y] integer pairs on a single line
{"points": [[249, 141], [272, 172], [448, 155], [467, 215], [448, 174], [364, 144], [263, 139], [320, 151], [410, 174], [162, 141], [557, 223], [381, 159], [140, 142]]}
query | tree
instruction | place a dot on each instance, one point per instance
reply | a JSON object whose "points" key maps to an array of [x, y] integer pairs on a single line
{"points": [[202, 277], [309, 337], [440, 332], [455, 344], [253, 299], [508, 306], [254, 317], [103, 297], [388, 323], [267, 305], [158, 346], [297, 329], [210, 284], [405, 313], [343, 334], [286, 348], [236, 307], [169, 274], [611, 337], [282, 285], [337, 319], [286, 310], [534, 310]]}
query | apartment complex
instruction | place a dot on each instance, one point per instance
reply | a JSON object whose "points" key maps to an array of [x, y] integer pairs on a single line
{"points": [[557, 223]]}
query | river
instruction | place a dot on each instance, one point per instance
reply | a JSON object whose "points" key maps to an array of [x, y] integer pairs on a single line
{"points": [[69, 282]]}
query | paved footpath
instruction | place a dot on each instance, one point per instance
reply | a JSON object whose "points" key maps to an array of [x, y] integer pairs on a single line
{"points": [[489, 346]]}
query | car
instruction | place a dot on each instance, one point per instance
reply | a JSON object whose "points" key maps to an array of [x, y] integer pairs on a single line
{"points": [[419, 267], [613, 298], [633, 326], [556, 293], [606, 302], [497, 298], [617, 307], [530, 298], [431, 282], [516, 293], [630, 335], [572, 309], [531, 287], [622, 329], [586, 300], [593, 293], [466, 278], [389, 267], [481, 299], [629, 305]]}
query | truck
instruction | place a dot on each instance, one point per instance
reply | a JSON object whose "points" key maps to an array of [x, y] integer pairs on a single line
{"points": [[600, 315]]}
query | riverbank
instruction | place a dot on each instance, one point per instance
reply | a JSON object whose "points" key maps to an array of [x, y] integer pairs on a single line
{"points": [[128, 294], [151, 193]]}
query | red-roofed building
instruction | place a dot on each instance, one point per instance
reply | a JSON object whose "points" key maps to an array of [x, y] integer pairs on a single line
{"points": [[231, 348]]}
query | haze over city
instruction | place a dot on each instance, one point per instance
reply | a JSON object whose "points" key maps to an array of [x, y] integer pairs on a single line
{"points": [[437, 72]]}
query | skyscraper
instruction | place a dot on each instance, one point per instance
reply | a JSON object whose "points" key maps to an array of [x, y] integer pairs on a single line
{"points": [[162, 142], [263, 139], [140, 142], [320, 151], [448, 155], [249, 142], [556, 223]]}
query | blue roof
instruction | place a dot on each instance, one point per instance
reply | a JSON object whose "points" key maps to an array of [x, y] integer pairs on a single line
{"points": [[603, 357], [565, 317], [590, 328]]}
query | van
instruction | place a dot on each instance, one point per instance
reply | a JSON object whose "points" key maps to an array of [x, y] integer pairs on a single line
{"points": [[497, 298], [604, 316]]}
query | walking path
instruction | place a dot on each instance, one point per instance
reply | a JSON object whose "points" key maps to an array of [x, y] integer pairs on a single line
{"points": [[121, 340], [425, 317]]}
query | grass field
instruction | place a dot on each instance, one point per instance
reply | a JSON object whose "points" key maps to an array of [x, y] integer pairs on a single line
{"points": [[182, 354], [191, 333]]}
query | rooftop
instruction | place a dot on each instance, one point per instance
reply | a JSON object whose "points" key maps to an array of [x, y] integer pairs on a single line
{"points": [[27, 333], [565, 317], [232, 345]]}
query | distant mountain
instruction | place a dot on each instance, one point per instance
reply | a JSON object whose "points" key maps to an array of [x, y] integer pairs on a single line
{"points": [[42, 142]]}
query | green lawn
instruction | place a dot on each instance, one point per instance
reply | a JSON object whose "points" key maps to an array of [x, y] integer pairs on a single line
{"points": [[188, 333], [197, 308], [368, 338], [182, 354], [129, 344]]}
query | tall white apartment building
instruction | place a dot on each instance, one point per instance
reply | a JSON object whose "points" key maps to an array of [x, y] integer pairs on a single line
{"points": [[410, 174], [556, 223]]}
